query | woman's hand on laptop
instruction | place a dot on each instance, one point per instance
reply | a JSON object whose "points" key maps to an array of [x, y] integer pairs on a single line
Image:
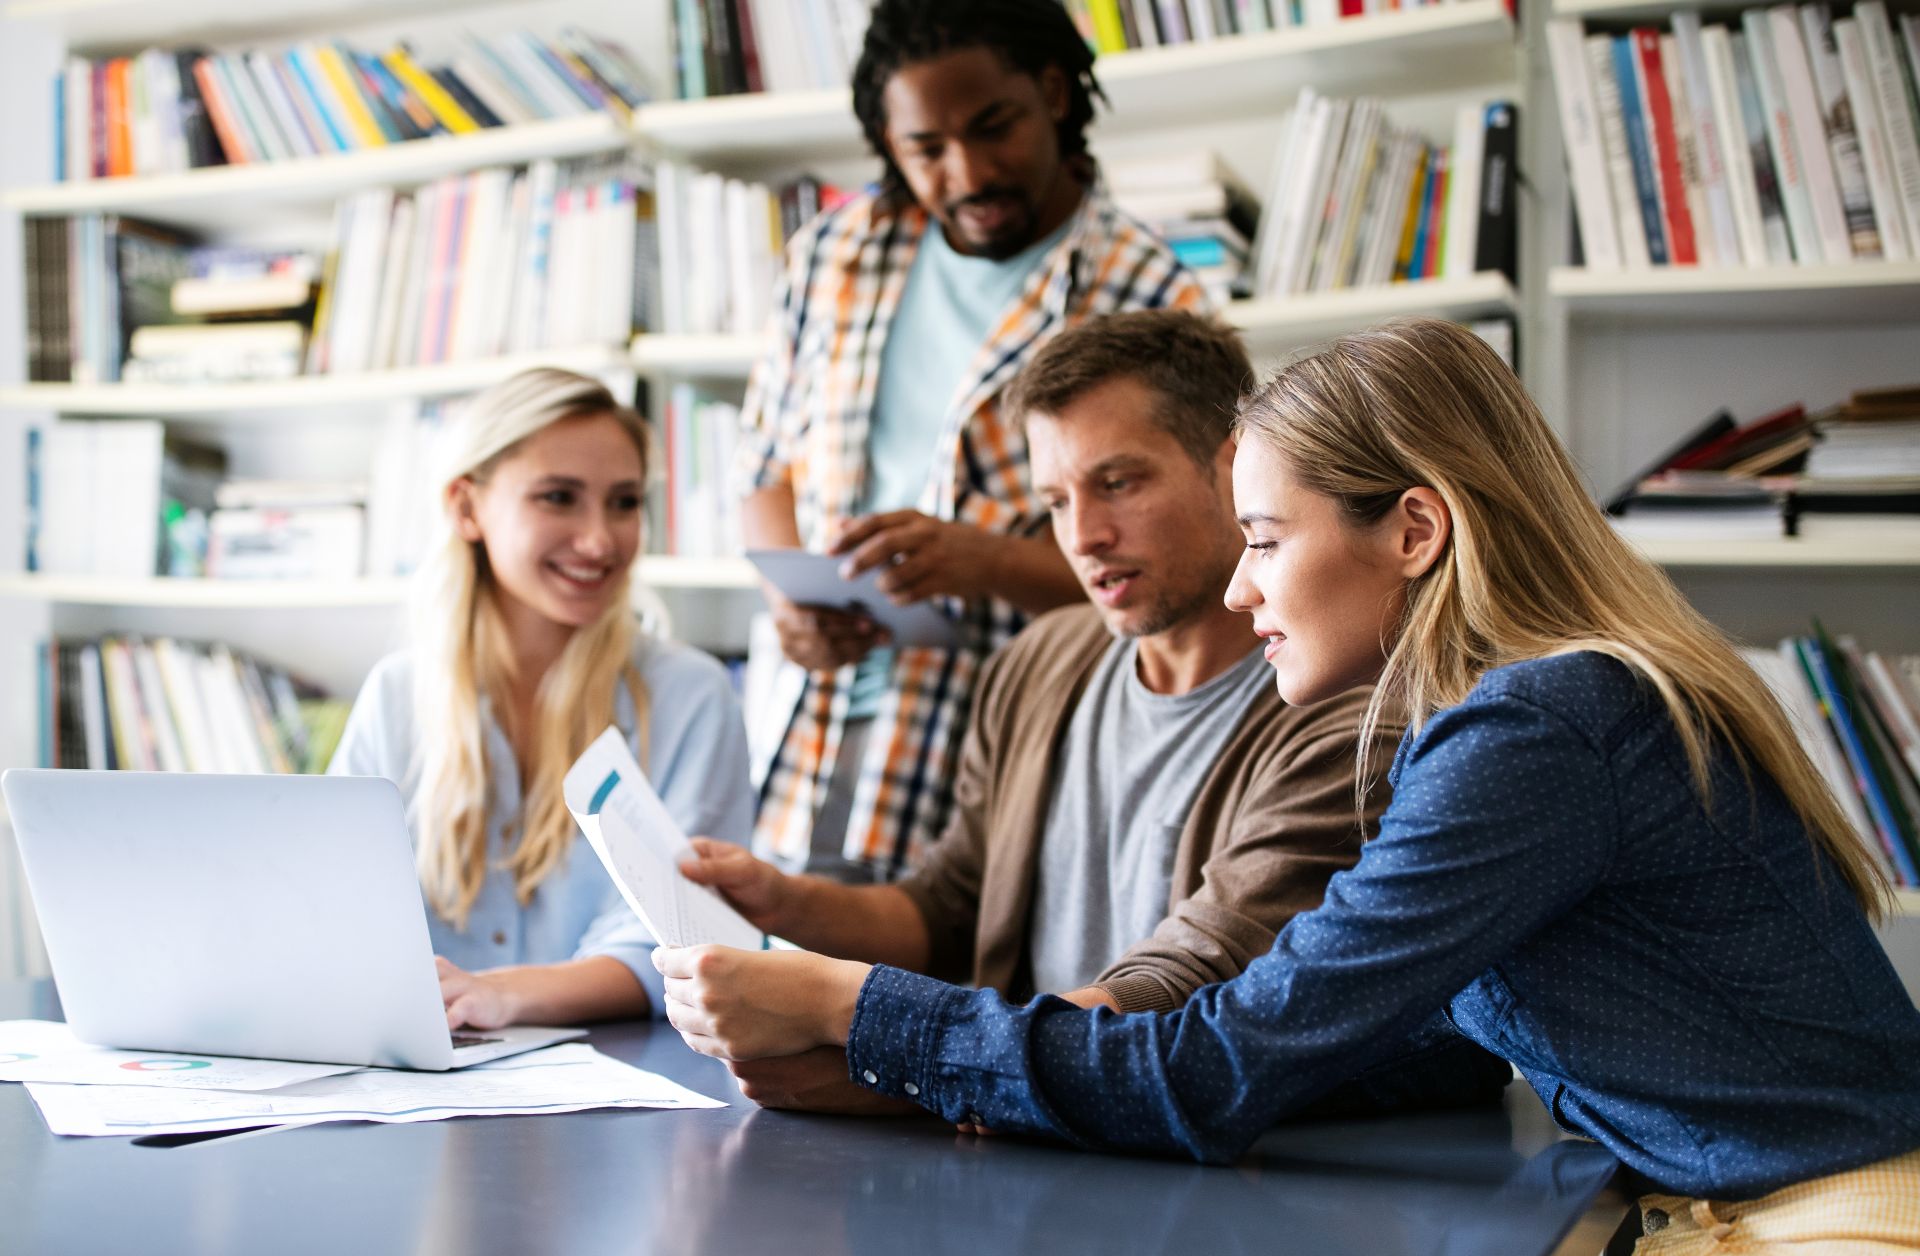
{"points": [[474, 1000], [745, 1005]]}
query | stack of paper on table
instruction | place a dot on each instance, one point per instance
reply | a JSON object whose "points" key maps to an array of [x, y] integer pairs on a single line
{"points": [[171, 1096]]}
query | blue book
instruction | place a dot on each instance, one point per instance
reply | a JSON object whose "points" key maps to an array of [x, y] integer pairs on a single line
{"points": [[687, 25], [44, 656], [382, 114], [307, 74], [396, 98], [33, 499], [60, 127], [1827, 686], [589, 93], [1634, 121]]}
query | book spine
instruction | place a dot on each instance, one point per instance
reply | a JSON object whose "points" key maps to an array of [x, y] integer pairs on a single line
{"points": [[1736, 156], [1897, 113], [443, 106], [1809, 134], [357, 118], [1710, 124], [1580, 131], [1875, 156], [1843, 137], [119, 143], [465, 96], [395, 126], [1639, 149], [1681, 246], [1688, 144], [1827, 688], [1766, 180], [317, 90], [1781, 139], [410, 112], [1496, 240]]}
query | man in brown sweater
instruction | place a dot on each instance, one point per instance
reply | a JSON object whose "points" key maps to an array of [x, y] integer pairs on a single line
{"points": [[1137, 811]]}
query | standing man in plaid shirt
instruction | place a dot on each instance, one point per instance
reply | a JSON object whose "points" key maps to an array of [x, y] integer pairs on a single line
{"points": [[872, 427]]}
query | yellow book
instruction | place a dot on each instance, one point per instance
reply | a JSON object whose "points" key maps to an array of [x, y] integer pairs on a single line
{"points": [[1403, 259], [1109, 29], [437, 99], [366, 132]]}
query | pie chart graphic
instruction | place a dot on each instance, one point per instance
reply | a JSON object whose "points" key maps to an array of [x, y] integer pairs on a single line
{"points": [[165, 1066]]}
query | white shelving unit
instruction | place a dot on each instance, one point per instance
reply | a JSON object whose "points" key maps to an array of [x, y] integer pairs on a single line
{"points": [[222, 195], [1790, 552], [113, 25], [1865, 292]]}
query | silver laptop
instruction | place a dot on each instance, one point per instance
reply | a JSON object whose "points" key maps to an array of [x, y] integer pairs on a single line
{"points": [[276, 917]]}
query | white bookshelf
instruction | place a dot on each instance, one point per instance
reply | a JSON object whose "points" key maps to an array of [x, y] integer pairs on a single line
{"points": [[1883, 555], [713, 357], [1413, 50], [161, 592], [118, 25], [215, 196], [1864, 292], [303, 392], [1270, 324]]}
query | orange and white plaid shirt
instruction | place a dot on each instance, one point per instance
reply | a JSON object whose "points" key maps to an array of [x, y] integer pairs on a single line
{"points": [[808, 414]]}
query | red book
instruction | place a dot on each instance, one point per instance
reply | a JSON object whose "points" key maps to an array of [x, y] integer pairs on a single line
{"points": [[1352, 8], [97, 127], [219, 110], [1673, 187], [1714, 452], [1436, 218], [749, 47]]}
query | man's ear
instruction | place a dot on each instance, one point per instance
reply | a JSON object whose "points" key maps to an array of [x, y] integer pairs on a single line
{"points": [[460, 509], [1053, 90], [1421, 525]]}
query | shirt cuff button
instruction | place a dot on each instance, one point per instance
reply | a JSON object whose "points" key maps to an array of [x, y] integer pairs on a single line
{"points": [[911, 1089], [872, 1078]]}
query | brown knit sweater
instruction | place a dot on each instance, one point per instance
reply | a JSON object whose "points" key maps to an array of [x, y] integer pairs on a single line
{"points": [[1271, 823]]}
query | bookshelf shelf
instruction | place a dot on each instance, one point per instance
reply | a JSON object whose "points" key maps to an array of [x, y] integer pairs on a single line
{"points": [[1290, 321], [1862, 293], [229, 194], [1906, 902], [1634, 9], [711, 357], [306, 392], [660, 572], [1429, 48], [96, 26], [1786, 552]]}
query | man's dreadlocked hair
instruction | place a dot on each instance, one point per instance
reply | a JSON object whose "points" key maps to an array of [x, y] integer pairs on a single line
{"points": [[1029, 35]]}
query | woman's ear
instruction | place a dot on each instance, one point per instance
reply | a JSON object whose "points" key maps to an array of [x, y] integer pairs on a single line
{"points": [[1421, 526], [460, 509]]}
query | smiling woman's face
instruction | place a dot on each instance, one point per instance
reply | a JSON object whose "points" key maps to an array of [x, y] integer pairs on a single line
{"points": [[1325, 594]]}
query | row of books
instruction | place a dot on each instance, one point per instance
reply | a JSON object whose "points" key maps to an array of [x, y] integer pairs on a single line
{"points": [[91, 281], [716, 248], [724, 47], [1858, 715], [1791, 139], [692, 511], [161, 705], [1357, 201], [1196, 203], [1119, 25], [476, 265], [162, 111], [1849, 473], [130, 499]]}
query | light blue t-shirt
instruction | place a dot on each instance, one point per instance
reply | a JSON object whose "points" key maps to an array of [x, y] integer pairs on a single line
{"points": [[696, 759], [951, 304]]}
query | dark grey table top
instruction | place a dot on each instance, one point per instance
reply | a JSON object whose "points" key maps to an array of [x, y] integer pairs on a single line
{"points": [[739, 1181]]}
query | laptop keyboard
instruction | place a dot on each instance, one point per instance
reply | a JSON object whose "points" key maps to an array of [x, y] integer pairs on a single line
{"points": [[468, 1040]]}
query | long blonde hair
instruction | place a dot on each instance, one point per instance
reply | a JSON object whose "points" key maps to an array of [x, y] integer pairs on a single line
{"points": [[461, 653], [1532, 568]]}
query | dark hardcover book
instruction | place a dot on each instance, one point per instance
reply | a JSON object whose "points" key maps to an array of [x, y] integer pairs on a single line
{"points": [[203, 146], [1730, 447], [55, 250], [70, 744], [463, 96], [32, 557], [1130, 28], [1634, 122], [1721, 422], [1496, 244], [392, 121], [33, 270], [144, 262], [46, 721], [749, 46], [716, 49]]}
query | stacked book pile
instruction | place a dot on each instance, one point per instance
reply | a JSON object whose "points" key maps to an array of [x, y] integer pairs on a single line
{"points": [[1198, 206], [724, 47], [468, 267], [1357, 201], [162, 112], [692, 512], [286, 530], [1858, 715], [1790, 138], [1852, 472], [159, 705], [252, 309], [719, 248], [1117, 25], [92, 281]]}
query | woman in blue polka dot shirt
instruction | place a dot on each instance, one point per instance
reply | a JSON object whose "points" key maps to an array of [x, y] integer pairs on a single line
{"points": [[1606, 859]]}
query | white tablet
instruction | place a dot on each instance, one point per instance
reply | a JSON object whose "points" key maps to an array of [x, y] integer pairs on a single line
{"points": [[809, 579]]}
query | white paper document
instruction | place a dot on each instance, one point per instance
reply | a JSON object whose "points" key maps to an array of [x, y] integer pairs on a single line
{"points": [[641, 846], [809, 579], [47, 1051], [570, 1077]]}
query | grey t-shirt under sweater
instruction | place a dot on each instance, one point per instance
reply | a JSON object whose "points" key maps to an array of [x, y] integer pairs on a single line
{"points": [[1126, 775]]}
